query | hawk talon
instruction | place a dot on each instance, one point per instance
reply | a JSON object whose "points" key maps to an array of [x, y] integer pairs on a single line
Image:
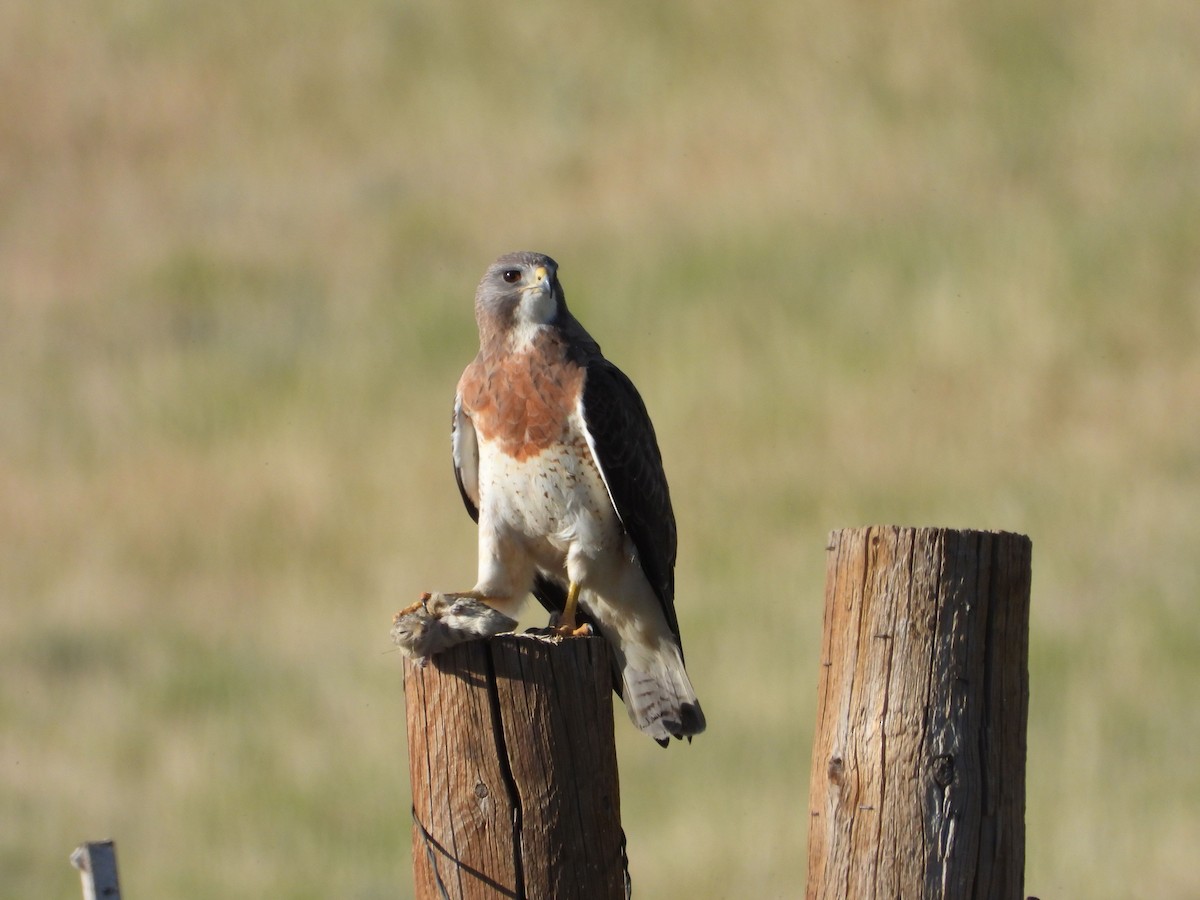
{"points": [[581, 630], [564, 624], [412, 608]]}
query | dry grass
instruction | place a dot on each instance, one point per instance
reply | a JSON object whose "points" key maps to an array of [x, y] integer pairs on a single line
{"points": [[927, 265]]}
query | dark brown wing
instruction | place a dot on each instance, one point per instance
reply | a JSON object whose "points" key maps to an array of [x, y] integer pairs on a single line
{"points": [[622, 439]]}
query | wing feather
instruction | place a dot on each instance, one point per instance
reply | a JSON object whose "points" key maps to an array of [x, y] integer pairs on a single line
{"points": [[622, 440], [464, 445]]}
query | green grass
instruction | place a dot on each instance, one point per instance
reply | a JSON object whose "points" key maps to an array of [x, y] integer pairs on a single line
{"points": [[927, 265]]}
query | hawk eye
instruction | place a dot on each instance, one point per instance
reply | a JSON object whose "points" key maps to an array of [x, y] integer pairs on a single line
{"points": [[511, 276]]}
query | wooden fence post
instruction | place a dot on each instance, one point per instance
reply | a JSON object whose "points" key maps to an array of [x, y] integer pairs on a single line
{"points": [[514, 771], [918, 769]]}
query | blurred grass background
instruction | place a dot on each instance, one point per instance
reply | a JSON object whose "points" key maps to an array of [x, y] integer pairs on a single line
{"points": [[926, 264]]}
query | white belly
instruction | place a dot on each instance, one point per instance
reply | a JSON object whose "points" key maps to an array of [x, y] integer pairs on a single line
{"points": [[550, 511]]}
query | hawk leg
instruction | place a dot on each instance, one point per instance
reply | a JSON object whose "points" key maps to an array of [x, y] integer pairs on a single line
{"points": [[566, 626]]}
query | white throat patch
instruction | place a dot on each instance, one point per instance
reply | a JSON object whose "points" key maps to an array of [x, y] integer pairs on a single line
{"points": [[537, 308]]}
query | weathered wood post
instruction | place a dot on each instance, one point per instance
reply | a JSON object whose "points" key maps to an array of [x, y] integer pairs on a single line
{"points": [[514, 771], [918, 770]]}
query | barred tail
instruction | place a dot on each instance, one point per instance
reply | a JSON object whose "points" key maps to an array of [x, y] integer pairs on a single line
{"points": [[659, 695]]}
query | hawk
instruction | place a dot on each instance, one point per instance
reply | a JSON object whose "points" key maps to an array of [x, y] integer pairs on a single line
{"points": [[557, 462]]}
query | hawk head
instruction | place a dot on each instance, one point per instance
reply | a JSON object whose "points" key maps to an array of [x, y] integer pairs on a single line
{"points": [[518, 294]]}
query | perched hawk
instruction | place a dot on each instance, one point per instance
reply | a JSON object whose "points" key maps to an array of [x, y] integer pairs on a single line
{"points": [[557, 461]]}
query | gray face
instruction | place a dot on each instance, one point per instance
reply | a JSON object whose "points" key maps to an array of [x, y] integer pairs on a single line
{"points": [[519, 291]]}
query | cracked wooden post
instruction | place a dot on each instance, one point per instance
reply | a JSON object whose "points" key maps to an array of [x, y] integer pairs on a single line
{"points": [[514, 770], [918, 770]]}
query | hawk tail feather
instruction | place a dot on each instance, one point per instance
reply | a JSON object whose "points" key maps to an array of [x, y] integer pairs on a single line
{"points": [[659, 696]]}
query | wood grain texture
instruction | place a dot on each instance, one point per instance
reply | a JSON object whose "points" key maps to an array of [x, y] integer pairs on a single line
{"points": [[918, 773], [514, 771]]}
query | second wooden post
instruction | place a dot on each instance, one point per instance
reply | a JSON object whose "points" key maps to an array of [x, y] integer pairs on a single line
{"points": [[918, 770]]}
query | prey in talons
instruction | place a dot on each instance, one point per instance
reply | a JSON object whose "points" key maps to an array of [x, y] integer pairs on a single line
{"points": [[440, 621]]}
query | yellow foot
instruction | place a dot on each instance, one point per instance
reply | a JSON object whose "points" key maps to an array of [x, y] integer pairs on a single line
{"points": [[566, 626], [584, 630]]}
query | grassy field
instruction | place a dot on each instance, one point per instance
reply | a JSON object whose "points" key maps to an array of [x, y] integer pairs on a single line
{"points": [[931, 264]]}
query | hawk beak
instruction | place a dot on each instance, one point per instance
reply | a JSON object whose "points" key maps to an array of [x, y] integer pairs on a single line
{"points": [[542, 280]]}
